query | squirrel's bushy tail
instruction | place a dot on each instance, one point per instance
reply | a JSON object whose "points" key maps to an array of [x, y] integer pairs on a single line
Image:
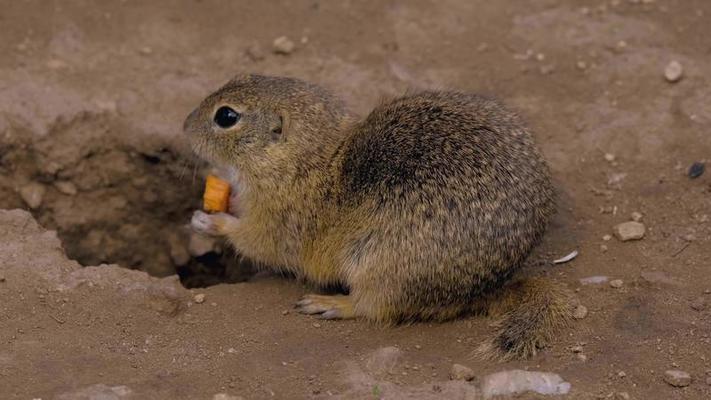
{"points": [[529, 312]]}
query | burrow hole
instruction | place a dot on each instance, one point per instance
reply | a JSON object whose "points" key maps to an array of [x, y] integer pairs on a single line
{"points": [[115, 197]]}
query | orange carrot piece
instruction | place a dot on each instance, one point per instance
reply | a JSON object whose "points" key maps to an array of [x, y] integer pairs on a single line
{"points": [[217, 194]]}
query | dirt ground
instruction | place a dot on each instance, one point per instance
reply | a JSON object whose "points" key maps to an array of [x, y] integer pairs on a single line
{"points": [[92, 100]]}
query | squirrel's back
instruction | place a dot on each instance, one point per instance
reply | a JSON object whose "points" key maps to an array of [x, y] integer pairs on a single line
{"points": [[458, 160]]}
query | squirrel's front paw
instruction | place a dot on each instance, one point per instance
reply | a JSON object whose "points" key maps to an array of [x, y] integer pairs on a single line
{"points": [[219, 224]]}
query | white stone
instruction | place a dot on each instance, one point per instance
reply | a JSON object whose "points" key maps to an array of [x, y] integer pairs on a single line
{"points": [[518, 381], [677, 378], [629, 231], [673, 72], [283, 45]]}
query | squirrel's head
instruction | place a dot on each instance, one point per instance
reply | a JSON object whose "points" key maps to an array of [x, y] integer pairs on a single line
{"points": [[262, 125]]}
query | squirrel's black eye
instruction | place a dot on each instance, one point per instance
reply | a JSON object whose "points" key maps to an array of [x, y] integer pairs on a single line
{"points": [[225, 117]]}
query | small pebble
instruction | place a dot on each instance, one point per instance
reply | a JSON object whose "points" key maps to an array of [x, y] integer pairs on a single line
{"points": [[66, 187], [577, 349], [582, 357], [225, 396], [622, 374], [708, 381], [696, 170], [460, 372], [199, 298], [689, 238], [255, 53], [285, 312], [594, 280], [699, 304], [636, 216], [677, 378], [33, 194], [580, 312], [654, 277], [609, 157], [607, 237], [623, 396], [547, 69], [608, 210], [616, 283], [673, 71], [2, 278], [283, 45], [629, 231], [316, 325], [56, 64]]}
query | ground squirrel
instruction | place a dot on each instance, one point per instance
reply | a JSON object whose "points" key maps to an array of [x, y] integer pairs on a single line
{"points": [[421, 211]]}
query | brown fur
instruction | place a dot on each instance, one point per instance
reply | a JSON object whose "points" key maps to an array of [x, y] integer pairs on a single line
{"points": [[425, 209]]}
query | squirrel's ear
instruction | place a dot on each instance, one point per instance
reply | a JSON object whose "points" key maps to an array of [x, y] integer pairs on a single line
{"points": [[279, 126], [242, 78]]}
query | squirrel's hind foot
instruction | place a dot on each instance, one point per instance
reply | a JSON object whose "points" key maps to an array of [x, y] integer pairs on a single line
{"points": [[326, 307]]}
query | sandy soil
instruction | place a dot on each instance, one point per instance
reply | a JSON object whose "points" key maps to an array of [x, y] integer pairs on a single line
{"points": [[92, 99]]}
